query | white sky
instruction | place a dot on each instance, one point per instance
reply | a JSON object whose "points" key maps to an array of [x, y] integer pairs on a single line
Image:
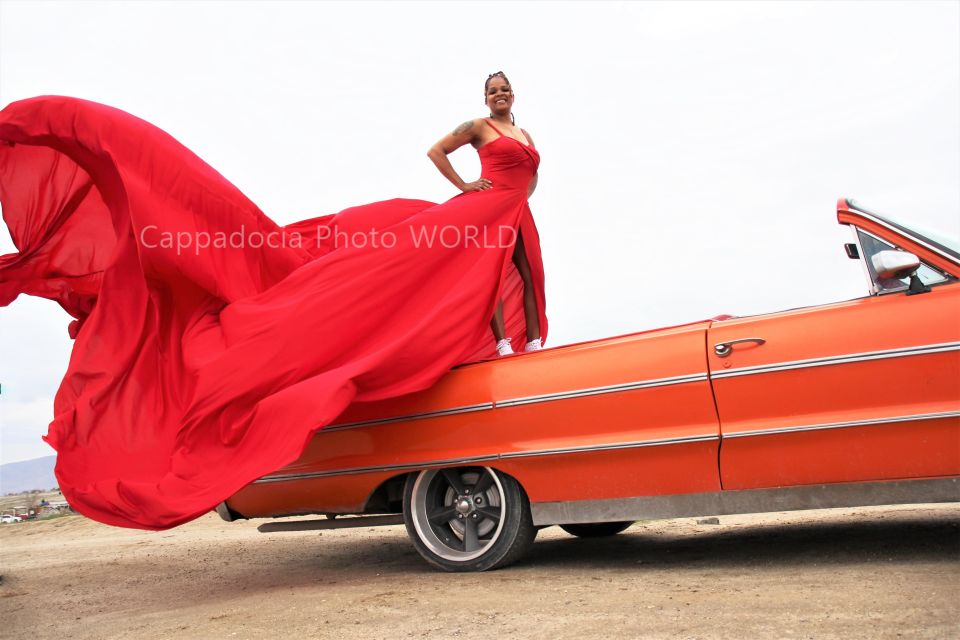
{"points": [[692, 152]]}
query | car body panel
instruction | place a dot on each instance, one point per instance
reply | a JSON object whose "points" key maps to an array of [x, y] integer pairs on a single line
{"points": [[640, 393], [790, 408], [838, 400]]}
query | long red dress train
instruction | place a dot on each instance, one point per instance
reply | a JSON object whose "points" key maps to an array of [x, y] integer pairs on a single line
{"points": [[212, 343]]}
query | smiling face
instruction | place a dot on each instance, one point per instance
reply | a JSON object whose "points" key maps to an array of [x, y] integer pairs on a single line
{"points": [[499, 95]]}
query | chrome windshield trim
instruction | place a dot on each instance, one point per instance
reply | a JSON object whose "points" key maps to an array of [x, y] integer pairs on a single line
{"points": [[592, 391], [843, 425], [841, 359], [483, 406], [904, 231], [871, 290], [411, 466]]}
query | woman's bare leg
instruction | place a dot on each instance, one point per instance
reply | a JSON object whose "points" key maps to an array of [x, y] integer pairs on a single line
{"points": [[496, 323], [529, 297]]}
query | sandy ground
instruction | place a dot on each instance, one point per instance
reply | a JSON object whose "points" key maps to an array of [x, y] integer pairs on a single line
{"points": [[882, 572]]}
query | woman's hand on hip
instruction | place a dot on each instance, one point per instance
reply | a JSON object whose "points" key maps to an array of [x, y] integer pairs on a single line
{"points": [[478, 185]]}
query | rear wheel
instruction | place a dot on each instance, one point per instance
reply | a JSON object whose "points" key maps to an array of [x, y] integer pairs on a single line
{"points": [[468, 518], [596, 530]]}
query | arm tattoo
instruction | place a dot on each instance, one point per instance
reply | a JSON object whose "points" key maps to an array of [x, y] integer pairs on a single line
{"points": [[466, 126]]}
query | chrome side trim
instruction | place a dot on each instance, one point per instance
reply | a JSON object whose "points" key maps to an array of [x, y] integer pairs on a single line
{"points": [[483, 406], [608, 447], [349, 522], [411, 466], [720, 503], [592, 391], [843, 425], [511, 402], [842, 359]]}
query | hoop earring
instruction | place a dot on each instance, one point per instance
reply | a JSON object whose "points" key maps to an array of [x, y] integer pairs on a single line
{"points": [[513, 120]]}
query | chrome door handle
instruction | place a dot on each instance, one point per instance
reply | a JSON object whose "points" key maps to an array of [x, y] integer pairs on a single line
{"points": [[723, 349]]}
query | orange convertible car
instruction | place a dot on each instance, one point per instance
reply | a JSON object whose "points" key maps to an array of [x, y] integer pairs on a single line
{"points": [[846, 404]]}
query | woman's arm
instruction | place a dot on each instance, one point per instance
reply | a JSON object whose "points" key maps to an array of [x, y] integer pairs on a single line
{"points": [[449, 143]]}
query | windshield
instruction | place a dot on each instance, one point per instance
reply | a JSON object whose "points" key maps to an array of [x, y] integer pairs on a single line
{"points": [[938, 239], [871, 246]]}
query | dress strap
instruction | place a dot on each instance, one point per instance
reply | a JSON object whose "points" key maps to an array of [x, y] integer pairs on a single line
{"points": [[487, 120]]}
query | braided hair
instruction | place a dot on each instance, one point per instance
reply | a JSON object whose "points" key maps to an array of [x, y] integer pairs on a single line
{"points": [[486, 85]]}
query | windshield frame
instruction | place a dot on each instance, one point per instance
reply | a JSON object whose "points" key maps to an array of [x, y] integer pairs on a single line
{"points": [[927, 242]]}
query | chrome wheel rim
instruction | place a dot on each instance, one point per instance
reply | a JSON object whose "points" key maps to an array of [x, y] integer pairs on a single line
{"points": [[458, 513]]}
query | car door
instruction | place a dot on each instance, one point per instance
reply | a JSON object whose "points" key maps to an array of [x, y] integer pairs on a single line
{"points": [[616, 418], [867, 389]]}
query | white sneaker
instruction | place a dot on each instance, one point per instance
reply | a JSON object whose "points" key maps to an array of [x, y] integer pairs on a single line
{"points": [[504, 348], [533, 345]]}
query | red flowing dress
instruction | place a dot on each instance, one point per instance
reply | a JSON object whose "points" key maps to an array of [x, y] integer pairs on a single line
{"points": [[212, 343]]}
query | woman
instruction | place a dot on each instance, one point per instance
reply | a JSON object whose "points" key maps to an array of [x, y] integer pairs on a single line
{"points": [[482, 133], [210, 342]]}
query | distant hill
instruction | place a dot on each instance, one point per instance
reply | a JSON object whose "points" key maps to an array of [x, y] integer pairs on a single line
{"points": [[27, 475]]}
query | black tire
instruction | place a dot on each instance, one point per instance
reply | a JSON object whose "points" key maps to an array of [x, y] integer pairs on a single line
{"points": [[455, 529], [596, 530]]}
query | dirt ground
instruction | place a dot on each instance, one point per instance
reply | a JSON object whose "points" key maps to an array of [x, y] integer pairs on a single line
{"points": [[882, 572]]}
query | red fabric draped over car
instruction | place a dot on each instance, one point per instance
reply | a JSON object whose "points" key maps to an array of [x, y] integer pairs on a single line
{"points": [[212, 343]]}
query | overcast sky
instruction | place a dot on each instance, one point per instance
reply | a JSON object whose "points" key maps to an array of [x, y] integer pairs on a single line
{"points": [[692, 152]]}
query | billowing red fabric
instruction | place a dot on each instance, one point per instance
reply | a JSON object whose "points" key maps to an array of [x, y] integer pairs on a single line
{"points": [[212, 343]]}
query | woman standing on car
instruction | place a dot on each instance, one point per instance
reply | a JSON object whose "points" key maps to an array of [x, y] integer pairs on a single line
{"points": [[508, 177]]}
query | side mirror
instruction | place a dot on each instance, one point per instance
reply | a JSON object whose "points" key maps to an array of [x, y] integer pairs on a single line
{"points": [[894, 264]]}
